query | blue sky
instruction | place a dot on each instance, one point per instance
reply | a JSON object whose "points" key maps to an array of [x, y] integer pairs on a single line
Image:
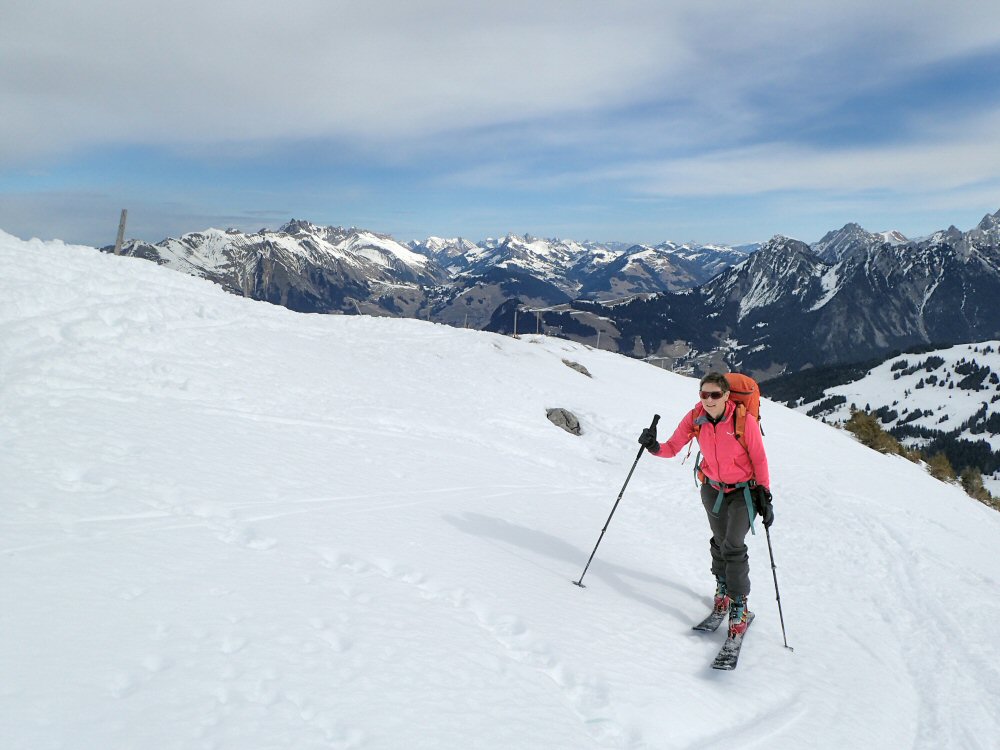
{"points": [[635, 121]]}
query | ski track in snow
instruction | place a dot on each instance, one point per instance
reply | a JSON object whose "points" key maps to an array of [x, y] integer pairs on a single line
{"points": [[933, 624]]}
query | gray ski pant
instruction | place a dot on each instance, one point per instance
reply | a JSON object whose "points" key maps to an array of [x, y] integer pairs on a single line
{"points": [[730, 560]]}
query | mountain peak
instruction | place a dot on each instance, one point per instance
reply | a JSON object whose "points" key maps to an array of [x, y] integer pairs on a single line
{"points": [[987, 231], [894, 237], [990, 221], [850, 239], [779, 244], [781, 266], [296, 226]]}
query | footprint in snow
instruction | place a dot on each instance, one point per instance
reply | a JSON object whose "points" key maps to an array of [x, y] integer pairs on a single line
{"points": [[587, 696], [328, 635], [232, 644]]}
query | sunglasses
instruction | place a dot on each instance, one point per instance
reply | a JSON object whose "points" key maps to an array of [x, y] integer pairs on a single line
{"points": [[714, 395]]}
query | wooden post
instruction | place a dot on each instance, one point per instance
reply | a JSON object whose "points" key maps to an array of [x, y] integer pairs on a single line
{"points": [[598, 338], [515, 322], [121, 232]]}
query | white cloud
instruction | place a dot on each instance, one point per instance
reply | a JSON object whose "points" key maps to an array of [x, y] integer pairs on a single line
{"points": [[961, 159], [392, 72], [226, 71]]}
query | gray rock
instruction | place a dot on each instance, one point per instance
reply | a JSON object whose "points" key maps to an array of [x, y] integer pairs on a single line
{"points": [[565, 419], [577, 366]]}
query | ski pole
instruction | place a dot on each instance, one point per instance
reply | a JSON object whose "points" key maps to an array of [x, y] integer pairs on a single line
{"points": [[774, 572], [652, 426]]}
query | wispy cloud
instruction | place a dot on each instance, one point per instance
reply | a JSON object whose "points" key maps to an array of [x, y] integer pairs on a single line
{"points": [[192, 72], [469, 103]]}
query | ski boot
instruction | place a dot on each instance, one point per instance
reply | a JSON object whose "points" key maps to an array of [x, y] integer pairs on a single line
{"points": [[739, 615], [721, 603]]}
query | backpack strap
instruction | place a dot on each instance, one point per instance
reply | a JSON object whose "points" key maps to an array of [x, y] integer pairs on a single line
{"points": [[724, 488], [740, 424], [700, 418]]}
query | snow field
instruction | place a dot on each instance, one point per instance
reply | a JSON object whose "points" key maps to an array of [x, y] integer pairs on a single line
{"points": [[226, 525]]}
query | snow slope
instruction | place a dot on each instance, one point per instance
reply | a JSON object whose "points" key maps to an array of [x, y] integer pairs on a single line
{"points": [[920, 390], [227, 525]]}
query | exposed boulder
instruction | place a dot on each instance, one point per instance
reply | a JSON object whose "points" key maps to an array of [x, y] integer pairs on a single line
{"points": [[565, 419], [577, 366]]}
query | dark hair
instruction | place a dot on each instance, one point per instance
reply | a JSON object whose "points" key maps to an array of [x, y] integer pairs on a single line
{"points": [[715, 378]]}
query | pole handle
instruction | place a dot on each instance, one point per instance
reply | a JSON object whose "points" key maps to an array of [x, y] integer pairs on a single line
{"points": [[642, 449]]}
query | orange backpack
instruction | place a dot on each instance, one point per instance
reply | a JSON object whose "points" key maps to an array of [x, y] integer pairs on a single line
{"points": [[745, 394]]}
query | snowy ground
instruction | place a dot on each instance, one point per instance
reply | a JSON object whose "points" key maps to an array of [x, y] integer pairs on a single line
{"points": [[928, 391], [226, 525]]}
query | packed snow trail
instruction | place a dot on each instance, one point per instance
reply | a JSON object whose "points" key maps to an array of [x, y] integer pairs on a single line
{"points": [[228, 525]]}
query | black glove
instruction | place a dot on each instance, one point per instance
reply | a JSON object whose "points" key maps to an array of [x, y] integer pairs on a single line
{"points": [[648, 440], [762, 504]]}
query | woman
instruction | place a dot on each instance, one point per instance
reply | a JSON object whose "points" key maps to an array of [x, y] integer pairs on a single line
{"points": [[735, 483]]}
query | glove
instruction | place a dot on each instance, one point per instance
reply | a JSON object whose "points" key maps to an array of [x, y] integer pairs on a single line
{"points": [[648, 440], [762, 504]]}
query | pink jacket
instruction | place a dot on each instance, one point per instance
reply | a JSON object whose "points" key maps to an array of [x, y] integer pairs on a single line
{"points": [[723, 457]]}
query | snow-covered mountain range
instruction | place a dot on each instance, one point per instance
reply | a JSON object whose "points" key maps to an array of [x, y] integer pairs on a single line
{"points": [[771, 309], [785, 308], [201, 546], [302, 266], [310, 268], [588, 269]]}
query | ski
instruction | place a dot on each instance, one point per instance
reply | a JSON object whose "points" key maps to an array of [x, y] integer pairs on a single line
{"points": [[730, 652], [716, 616]]}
